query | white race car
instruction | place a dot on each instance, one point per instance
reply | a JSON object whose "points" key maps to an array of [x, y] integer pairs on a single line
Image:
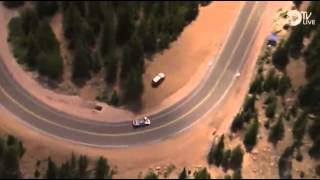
{"points": [[141, 122]]}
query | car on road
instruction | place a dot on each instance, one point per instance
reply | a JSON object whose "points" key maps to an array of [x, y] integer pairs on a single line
{"points": [[141, 122], [236, 76], [156, 81]]}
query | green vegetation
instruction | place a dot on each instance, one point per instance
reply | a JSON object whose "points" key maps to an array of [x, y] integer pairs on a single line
{"points": [[77, 168], [46, 8], [202, 174], [277, 131], [13, 4], [299, 127], [216, 152], [285, 163], [151, 175], [271, 107], [220, 156], [236, 157], [256, 86], [102, 169], [237, 123], [284, 85], [183, 174], [280, 57], [35, 45], [100, 35], [237, 174], [11, 152], [250, 139], [271, 81], [136, 29], [248, 112]]}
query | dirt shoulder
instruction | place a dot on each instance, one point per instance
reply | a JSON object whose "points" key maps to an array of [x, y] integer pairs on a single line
{"points": [[186, 61]]}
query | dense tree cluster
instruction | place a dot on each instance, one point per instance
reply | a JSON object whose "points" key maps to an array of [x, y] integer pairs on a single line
{"points": [[137, 28], [248, 112], [202, 174], [183, 174], [151, 175], [13, 4], [11, 152], [227, 158], [250, 139], [285, 163], [78, 168], [299, 127], [216, 152], [35, 44], [113, 36], [276, 132], [280, 57]]}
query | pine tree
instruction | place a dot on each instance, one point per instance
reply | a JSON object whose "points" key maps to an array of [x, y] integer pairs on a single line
{"points": [[111, 67], [299, 127], [108, 37], [202, 174], [277, 131], [46, 8], [236, 157], [237, 123], [114, 100], [183, 174], [133, 87], [280, 58], [65, 172], [271, 109], [72, 24], [81, 64], [237, 174], [271, 81], [216, 152], [11, 163], [83, 163], [13, 4], [250, 139], [151, 175], [102, 169], [125, 25], [226, 158], [256, 86], [284, 85], [52, 170], [50, 64]]}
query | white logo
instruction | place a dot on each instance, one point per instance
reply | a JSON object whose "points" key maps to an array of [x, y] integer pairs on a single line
{"points": [[295, 17]]}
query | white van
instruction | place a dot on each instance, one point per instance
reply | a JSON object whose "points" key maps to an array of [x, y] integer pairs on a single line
{"points": [[158, 79]]}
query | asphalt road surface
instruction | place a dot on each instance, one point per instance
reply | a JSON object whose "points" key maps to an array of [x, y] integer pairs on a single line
{"points": [[183, 114]]}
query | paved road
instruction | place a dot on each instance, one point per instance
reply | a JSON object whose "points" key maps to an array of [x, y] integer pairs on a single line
{"points": [[178, 117]]}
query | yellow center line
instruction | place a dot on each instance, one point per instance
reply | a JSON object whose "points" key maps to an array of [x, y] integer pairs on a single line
{"points": [[147, 130]]}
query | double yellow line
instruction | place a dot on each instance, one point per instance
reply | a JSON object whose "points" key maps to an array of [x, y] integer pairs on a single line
{"points": [[147, 130]]}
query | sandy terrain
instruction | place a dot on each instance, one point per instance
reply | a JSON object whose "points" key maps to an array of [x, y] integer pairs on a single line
{"points": [[186, 62], [177, 150], [191, 51]]}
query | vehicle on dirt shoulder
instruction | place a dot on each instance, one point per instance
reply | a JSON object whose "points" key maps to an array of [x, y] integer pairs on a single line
{"points": [[141, 122], [157, 80]]}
